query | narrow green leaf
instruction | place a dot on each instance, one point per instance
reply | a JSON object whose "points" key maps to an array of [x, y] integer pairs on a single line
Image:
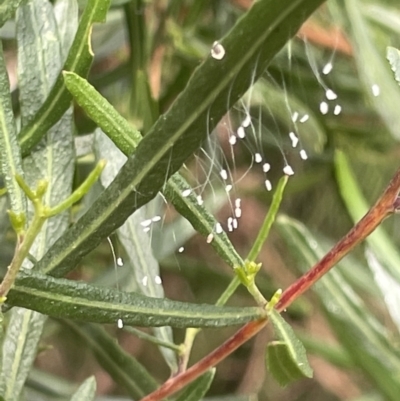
{"points": [[79, 60], [39, 61], [389, 287], [373, 71], [80, 301], [122, 367], [10, 156], [137, 243], [126, 138], [200, 218], [7, 10], [67, 27], [286, 358], [269, 220], [367, 341], [86, 391], [393, 55], [198, 389], [249, 47], [19, 351]]}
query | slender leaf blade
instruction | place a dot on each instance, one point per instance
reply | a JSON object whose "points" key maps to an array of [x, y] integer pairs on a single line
{"points": [[122, 367], [393, 55], [137, 243], [375, 76], [286, 358], [77, 300], [263, 31], [79, 60], [10, 155], [67, 27], [19, 351]]}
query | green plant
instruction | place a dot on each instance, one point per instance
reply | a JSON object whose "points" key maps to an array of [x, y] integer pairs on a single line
{"points": [[145, 165]]}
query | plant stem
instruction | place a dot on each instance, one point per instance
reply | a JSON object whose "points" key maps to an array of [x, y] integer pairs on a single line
{"points": [[387, 204], [229, 291], [192, 332], [152, 339], [178, 382], [22, 250], [79, 192], [269, 220]]}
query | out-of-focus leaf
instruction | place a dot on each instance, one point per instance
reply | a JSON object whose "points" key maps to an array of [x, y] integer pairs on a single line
{"points": [[383, 257], [19, 351], [393, 55], [282, 105], [334, 354], [366, 340], [7, 10], [10, 156], [122, 367], [198, 389], [232, 397], [79, 60], [86, 391], [67, 27], [4, 219], [76, 300], [253, 42], [374, 74], [379, 241], [286, 358], [384, 15], [390, 288], [50, 384], [136, 242]]}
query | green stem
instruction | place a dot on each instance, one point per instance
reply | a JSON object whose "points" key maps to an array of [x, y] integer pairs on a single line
{"points": [[269, 220], [256, 294], [22, 250], [229, 291], [79, 192], [41, 214], [25, 187], [247, 277], [147, 337]]}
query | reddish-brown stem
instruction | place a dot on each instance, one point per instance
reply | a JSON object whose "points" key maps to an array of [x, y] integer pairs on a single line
{"points": [[178, 382], [388, 203]]}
